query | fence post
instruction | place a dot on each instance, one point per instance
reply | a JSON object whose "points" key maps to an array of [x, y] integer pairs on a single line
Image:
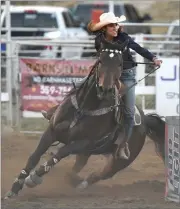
{"points": [[111, 6], [9, 64], [16, 85], [172, 159], [140, 73]]}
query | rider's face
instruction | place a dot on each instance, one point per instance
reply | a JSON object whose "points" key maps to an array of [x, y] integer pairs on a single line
{"points": [[112, 29]]}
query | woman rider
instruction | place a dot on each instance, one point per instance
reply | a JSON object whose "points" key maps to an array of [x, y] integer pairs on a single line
{"points": [[109, 27]]}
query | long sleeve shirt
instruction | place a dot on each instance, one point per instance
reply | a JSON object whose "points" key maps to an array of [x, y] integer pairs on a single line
{"points": [[127, 57]]}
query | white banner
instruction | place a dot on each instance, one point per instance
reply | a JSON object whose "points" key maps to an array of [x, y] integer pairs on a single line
{"points": [[167, 88]]}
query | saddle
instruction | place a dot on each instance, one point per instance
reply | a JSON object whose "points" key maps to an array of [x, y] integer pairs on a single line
{"points": [[118, 109]]}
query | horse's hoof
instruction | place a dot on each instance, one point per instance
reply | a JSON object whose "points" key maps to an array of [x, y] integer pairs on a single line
{"points": [[9, 195], [33, 180], [74, 180], [83, 185]]}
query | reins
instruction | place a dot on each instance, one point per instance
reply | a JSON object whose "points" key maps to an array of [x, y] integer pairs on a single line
{"points": [[138, 81], [79, 110]]}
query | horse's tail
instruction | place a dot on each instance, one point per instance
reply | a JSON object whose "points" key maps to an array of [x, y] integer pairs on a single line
{"points": [[155, 129]]}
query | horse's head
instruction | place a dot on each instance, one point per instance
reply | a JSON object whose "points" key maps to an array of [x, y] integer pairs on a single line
{"points": [[111, 63]]}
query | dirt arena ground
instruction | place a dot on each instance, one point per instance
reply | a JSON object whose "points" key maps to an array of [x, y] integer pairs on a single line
{"points": [[141, 186]]}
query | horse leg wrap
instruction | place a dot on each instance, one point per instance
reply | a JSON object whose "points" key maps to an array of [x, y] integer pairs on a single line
{"points": [[16, 187], [9, 195], [33, 180]]}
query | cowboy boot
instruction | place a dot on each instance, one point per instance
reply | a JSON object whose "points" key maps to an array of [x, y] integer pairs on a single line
{"points": [[123, 147], [124, 151]]}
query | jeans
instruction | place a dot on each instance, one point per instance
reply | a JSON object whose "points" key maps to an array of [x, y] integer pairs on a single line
{"points": [[128, 78]]}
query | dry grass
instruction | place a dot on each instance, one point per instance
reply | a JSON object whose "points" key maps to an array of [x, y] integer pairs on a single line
{"points": [[163, 12]]}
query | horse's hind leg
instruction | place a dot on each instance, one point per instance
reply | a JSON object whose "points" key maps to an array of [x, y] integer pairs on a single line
{"points": [[81, 161], [76, 147], [108, 171], [44, 144]]}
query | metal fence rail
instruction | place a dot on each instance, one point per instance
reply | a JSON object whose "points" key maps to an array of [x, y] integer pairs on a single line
{"points": [[77, 42], [15, 48], [125, 24], [152, 44]]}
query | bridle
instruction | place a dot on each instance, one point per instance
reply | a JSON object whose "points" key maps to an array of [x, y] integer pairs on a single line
{"points": [[112, 53]]}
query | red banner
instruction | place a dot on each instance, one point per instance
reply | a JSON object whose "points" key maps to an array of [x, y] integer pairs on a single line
{"points": [[45, 82]]}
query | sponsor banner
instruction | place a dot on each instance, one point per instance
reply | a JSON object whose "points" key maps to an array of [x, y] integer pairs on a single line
{"points": [[46, 82], [172, 159], [167, 88]]}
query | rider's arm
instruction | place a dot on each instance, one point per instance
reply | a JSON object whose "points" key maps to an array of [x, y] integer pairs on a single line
{"points": [[136, 47]]}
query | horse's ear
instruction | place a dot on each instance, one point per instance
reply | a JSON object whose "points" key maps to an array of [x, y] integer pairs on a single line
{"points": [[123, 46]]}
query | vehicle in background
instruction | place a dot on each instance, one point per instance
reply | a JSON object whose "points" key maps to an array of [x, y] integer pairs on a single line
{"points": [[83, 11], [3, 50], [64, 52], [172, 35], [68, 31], [174, 30], [34, 23]]}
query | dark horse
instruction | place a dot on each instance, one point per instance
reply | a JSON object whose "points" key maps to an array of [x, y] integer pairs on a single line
{"points": [[90, 121]]}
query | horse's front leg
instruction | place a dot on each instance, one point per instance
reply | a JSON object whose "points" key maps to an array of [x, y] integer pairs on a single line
{"points": [[44, 144], [81, 161], [35, 178], [108, 171]]}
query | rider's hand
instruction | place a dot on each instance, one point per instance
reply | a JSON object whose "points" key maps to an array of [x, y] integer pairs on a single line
{"points": [[157, 62]]}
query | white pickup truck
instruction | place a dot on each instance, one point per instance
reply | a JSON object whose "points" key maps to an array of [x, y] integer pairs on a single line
{"points": [[173, 30], [44, 22]]}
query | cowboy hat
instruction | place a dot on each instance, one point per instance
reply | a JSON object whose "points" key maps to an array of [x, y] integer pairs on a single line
{"points": [[105, 19]]}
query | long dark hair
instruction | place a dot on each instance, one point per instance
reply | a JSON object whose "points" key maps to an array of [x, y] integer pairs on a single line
{"points": [[99, 37]]}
